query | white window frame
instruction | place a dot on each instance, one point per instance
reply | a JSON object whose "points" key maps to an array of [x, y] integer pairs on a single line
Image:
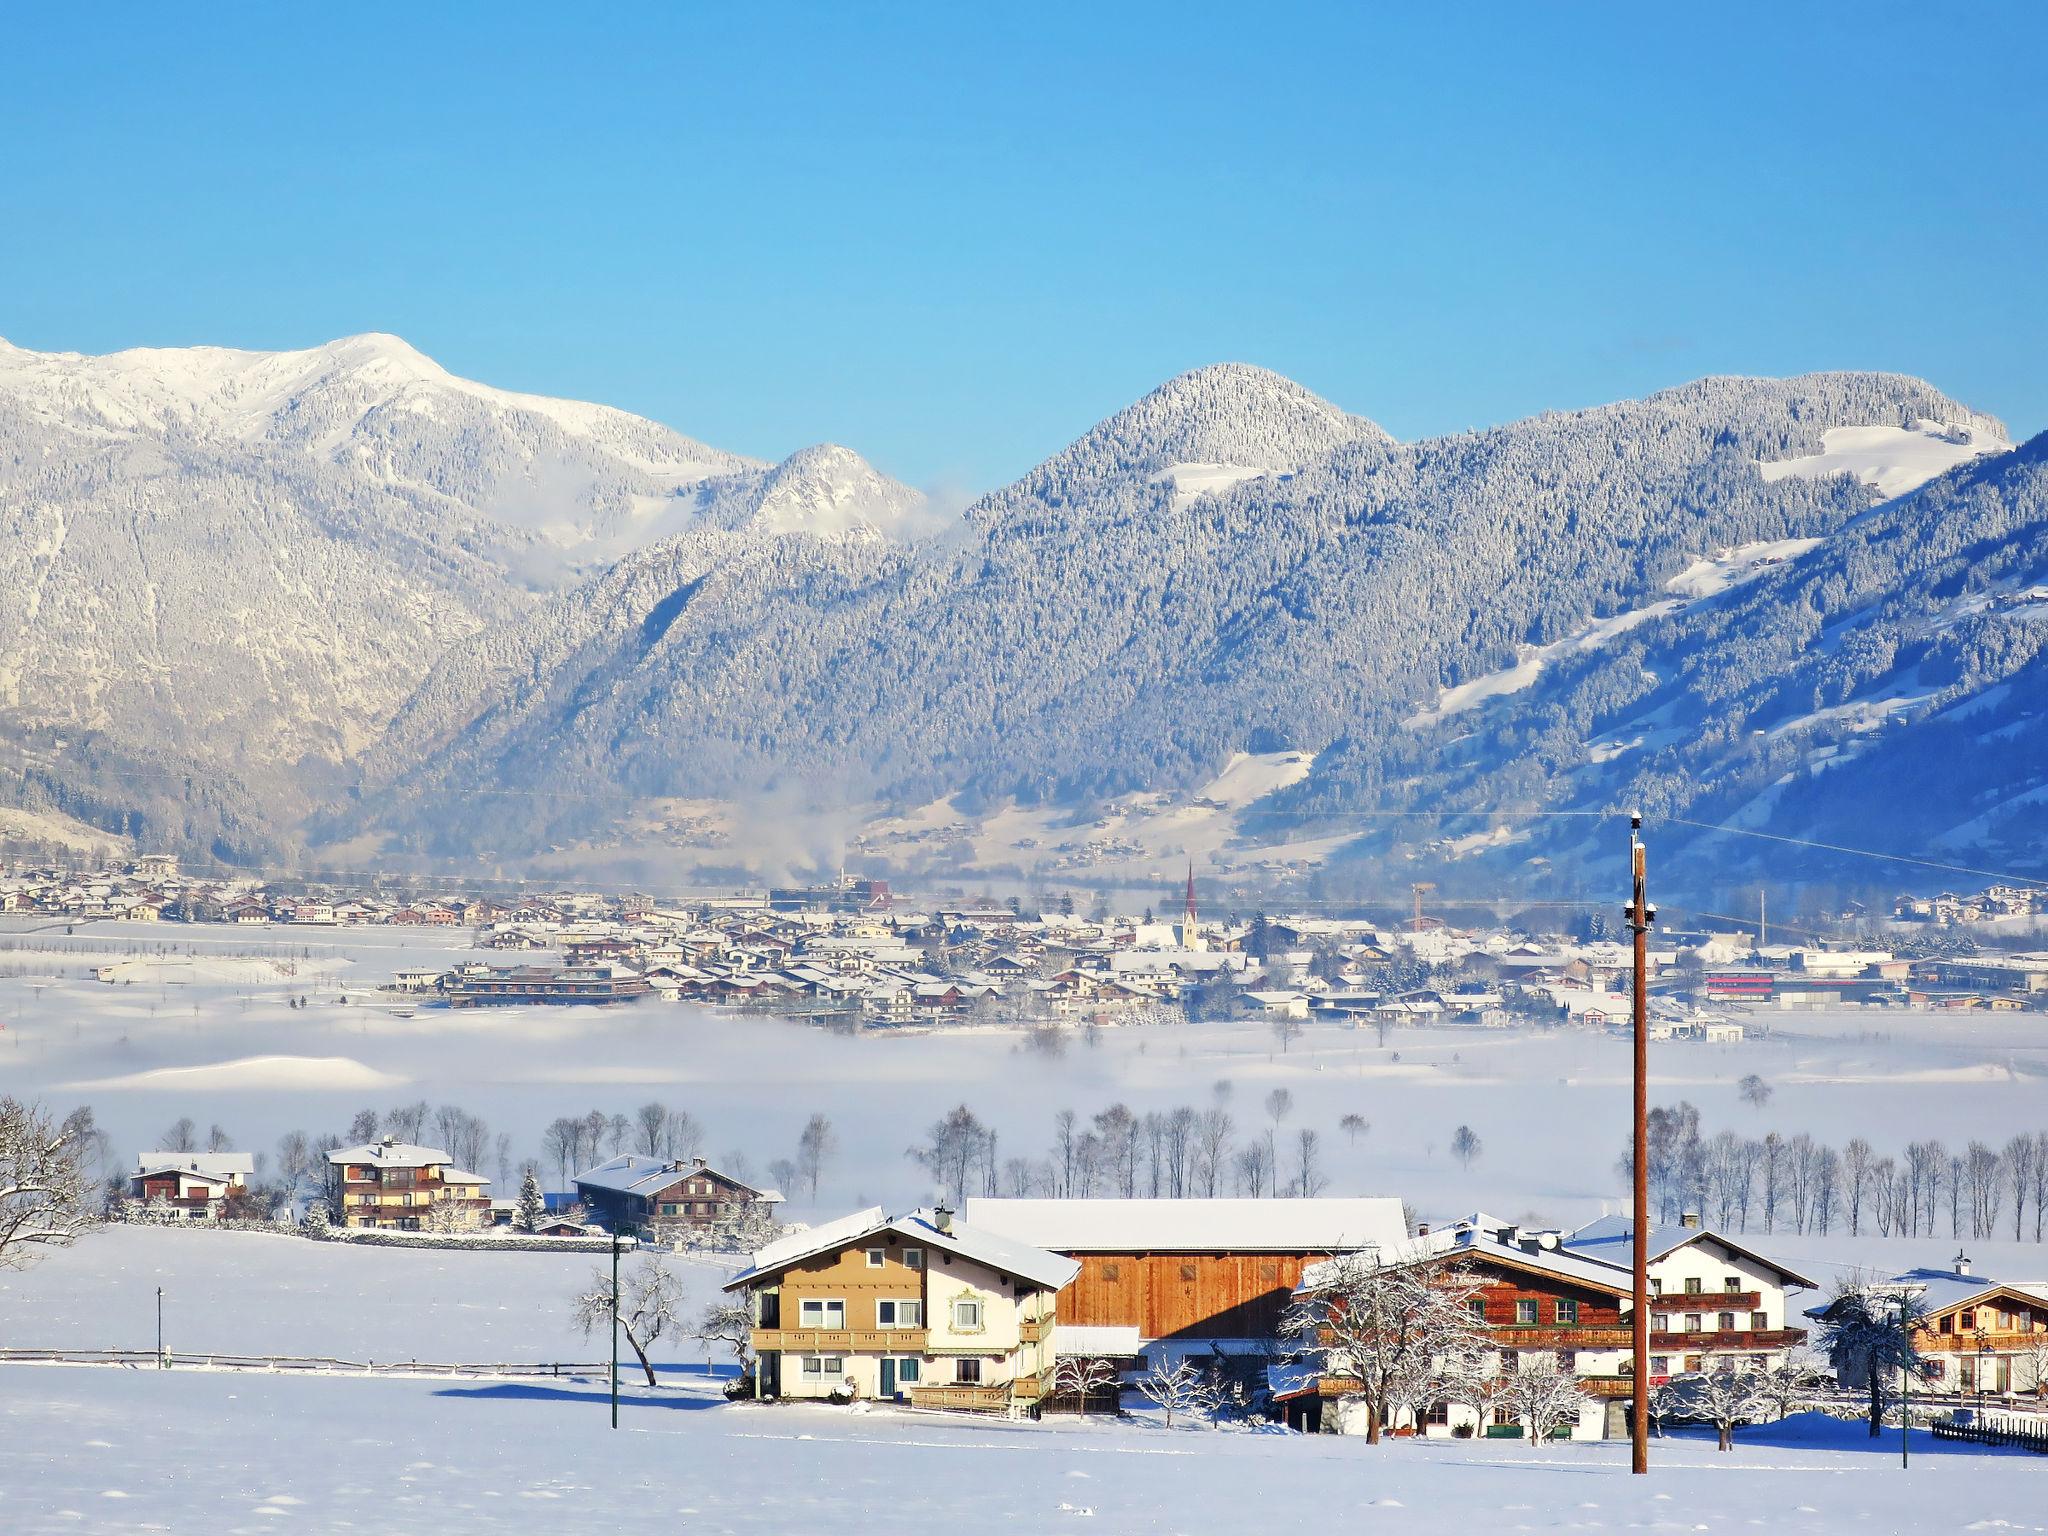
{"points": [[979, 1320], [898, 1306], [877, 1258], [825, 1306], [823, 1367], [967, 1371], [913, 1258]]}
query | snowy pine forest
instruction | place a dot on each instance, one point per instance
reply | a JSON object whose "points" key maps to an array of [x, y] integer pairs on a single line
{"points": [[266, 605]]}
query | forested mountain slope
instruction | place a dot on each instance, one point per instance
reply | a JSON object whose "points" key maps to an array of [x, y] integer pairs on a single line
{"points": [[1230, 565], [1883, 688]]}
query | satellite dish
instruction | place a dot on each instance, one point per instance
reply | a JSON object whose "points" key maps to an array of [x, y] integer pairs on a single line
{"points": [[1547, 1240]]}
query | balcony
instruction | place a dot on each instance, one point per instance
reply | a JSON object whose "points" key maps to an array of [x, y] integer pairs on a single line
{"points": [[1541, 1336], [840, 1341], [985, 1399], [1740, 1338], [1034, 1330], [1707, 1301]]}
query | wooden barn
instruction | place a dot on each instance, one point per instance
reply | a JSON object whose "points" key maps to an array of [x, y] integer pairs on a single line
{"points": [[1188, 1271]]}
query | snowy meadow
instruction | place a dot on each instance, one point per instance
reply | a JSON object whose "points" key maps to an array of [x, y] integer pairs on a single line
{"points": [[207, 1024]]}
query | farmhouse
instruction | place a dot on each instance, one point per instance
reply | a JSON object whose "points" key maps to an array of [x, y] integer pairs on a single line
{"points": [[194, 1185], [1713, 1298], [1189, 1272], [657, 1196], [923, 1308], [394, 1184], [1537, 1302], [1980, 1335]]}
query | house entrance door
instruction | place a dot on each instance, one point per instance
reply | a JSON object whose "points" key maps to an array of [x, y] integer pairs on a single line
{"points": [[888, 1377]]}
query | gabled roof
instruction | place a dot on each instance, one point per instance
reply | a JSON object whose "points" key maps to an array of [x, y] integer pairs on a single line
{"points": [[390, 1154], [216, 1165], [636, 1174], [1480, 1237], [1611, 1239], [1940, 1290], [1195, 1226], [997, 1252]]}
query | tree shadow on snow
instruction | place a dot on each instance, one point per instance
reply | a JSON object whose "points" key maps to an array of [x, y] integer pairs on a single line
{"points": [[596, 1393]]}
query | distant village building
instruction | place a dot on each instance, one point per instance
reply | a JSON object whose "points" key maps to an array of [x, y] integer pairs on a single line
{"points": [[661, 1196], [394, 1184], [193, 1185]]}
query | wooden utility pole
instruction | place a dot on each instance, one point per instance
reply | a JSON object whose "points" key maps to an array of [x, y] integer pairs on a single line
{"points": [[1640, 915]]}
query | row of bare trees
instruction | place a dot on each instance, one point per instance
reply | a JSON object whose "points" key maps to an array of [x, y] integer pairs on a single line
{"points": [[1180, 1153], [1800, 1184]]}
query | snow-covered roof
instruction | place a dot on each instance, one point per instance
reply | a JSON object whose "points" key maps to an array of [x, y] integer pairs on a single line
{"points": [[995, 1250], [390, 1154], [635, 1174], [1195, 1226], [1109, 1341], [217, 1165], [1488, 1238], [1611, 1239]]}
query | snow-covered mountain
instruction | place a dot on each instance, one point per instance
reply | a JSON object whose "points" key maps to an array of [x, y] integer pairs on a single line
{"points": [[1119, 622], [338, 593], [222, 571]]}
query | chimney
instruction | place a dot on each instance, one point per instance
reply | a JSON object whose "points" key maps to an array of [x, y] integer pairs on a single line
{"points": [[1689, 1218], [1962, 1262], [696, 1162], [942, 1218], [1422, 1229]]}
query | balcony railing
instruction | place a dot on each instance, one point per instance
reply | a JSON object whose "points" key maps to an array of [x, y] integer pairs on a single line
{"points": [[1740, 1338], [840, 1341], [1543, 1336], [1032, 1330]]}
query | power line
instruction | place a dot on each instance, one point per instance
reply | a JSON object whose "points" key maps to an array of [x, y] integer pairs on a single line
{"points": [[1867, 853]]}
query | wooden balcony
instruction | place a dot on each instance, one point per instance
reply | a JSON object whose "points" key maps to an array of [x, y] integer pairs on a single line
{"points": [[1741, 1338], [1707, 1301], [1607, 1386], [840, 1341], [962, 1399], [1034, 1330], [996, 1398], [1538, 1336]]}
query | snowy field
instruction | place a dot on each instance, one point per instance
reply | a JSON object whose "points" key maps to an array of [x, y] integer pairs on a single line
{"points": [[103, 1449], [99, 1450]]}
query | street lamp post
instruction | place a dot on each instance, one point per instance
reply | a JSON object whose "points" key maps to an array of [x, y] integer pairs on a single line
{"points": [[159, 1327], [615, 1330], [1905, 1389]]}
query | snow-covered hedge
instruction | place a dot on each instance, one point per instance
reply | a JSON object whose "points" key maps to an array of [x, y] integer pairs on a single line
{"points": [[495, 1240]]}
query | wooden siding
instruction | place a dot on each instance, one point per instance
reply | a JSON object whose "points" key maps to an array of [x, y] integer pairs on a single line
{"points": [[1183, 1295]]}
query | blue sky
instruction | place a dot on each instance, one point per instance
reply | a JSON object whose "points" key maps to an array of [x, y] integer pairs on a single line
{"points": [[953, 239]]}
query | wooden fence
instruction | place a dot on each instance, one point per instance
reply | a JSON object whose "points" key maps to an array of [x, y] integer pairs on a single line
{"points": [[143, 1359], [2028, 1434]]}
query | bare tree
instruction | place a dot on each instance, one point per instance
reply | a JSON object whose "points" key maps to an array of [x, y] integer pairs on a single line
{"points": [[1755, 1091], [729, 1323], [2018, 1162], [1175, 1388], [1082, 1377], [1465, 1146], [48, 1197], [218, 1140], [1213, 1130], [649, 1305], [813, 1148], [1857, 1161], [1542, 1396], [1386, 1327], [1354, 1126], [1308, 1177], [563, 1141], [1724, 1397], [364, 1128], [650, 1121], [181, 1136]]}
